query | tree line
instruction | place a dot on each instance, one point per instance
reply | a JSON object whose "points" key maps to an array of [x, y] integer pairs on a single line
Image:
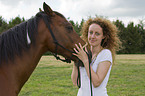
{"points": [[132, 36]]}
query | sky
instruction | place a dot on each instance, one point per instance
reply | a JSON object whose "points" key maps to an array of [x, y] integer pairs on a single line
{"points": [[124, 10]]}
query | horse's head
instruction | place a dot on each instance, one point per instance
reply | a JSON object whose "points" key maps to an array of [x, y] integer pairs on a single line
{"points": [[61, 35]]}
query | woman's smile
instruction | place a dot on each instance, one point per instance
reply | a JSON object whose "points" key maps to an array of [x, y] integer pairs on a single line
{"points": [[93, 40]]}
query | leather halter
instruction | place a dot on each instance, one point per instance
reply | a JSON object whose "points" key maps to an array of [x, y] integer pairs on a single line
{"points": [[45, 18], [67, 60]]}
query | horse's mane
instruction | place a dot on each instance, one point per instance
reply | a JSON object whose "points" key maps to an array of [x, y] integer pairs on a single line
{"points": [[14, 40]]}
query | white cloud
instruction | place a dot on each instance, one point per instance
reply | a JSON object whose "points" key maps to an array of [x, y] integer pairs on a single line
{"points": [[78, 9], [75, 9]]}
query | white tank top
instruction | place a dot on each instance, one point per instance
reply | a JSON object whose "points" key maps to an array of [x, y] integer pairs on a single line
{"points": [[104, 55]]}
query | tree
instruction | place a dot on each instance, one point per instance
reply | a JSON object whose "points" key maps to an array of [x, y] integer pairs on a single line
{"points": [[122, 35], [3, 25], [1, 21], [141, 30], [75, 26], [81, 25], [133, 39], [15, 21]]}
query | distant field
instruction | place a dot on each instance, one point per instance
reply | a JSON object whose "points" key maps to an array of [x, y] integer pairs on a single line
{"points": [[53, 78]]}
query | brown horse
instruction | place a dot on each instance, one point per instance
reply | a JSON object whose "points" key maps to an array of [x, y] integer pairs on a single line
{"points": [[22, 46]]}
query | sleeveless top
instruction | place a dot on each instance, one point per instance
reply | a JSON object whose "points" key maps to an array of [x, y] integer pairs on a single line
{"points": [[104, 55]]}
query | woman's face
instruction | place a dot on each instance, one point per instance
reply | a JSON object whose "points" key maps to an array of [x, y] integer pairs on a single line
{"points": [[95, 35]]}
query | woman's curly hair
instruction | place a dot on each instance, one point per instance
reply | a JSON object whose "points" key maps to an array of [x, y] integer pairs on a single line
{"points": [[110, 31]]}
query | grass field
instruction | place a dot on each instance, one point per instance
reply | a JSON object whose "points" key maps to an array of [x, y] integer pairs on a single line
{"points": [[53, 78]]}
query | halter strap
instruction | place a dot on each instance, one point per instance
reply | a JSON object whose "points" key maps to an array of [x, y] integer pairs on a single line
{"points": [[45, 18], [79, 78]]}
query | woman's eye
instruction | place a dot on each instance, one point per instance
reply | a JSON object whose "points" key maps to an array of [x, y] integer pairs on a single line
{"points": [[91, 32], [97, 34]]}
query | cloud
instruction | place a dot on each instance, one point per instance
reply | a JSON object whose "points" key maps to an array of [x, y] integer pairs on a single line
{"points": [[131, 8], [75, 9], [10, 3], [78, 9], [24, 8]]}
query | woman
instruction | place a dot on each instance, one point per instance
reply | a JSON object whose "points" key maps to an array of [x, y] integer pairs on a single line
{"points": [[101, 35]]}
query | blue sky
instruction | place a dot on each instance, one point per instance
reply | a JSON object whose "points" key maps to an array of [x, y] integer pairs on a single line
{"points": [[125, 10]]}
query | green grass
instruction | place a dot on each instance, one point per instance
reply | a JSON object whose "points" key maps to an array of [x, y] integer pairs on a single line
{"points": [[53, 78]]}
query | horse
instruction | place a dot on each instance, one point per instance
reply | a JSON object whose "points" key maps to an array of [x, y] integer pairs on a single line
{"points": [[22, 46]]}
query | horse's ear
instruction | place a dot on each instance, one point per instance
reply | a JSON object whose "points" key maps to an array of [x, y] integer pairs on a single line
{"points": [[40, 10], [47, 9]]}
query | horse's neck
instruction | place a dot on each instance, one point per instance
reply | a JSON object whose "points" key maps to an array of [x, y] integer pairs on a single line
{"points": [[24, 65], [16, 73], [29, 62]]}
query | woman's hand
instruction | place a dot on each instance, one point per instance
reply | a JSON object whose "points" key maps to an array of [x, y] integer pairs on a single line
{"points": [[80, 53]]}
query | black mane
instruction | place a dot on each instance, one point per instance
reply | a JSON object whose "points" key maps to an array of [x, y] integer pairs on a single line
{"points": [[14, 40]]}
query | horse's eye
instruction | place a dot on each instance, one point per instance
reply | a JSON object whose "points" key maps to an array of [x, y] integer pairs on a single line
{"points": [[69, 28]]}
